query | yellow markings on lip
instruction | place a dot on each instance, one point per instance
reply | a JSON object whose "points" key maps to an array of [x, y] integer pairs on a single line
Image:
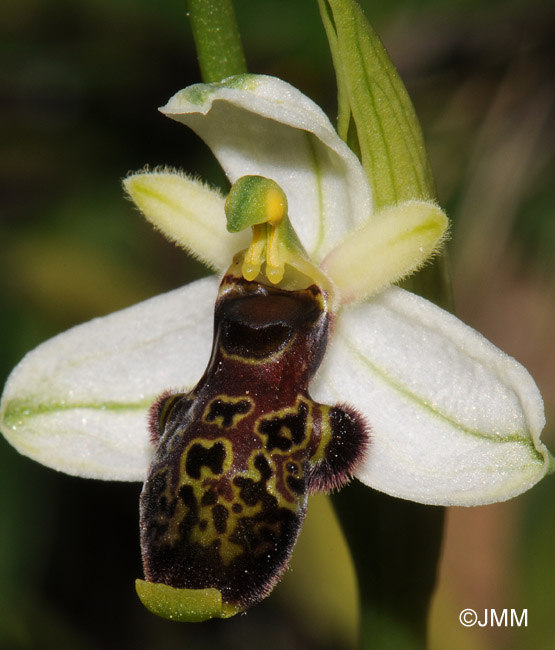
{"points": [[285, 430], [278, 457], [217, 414], [205, 470], [255, 361], [227, 549], [325, 434], [171, 536]]}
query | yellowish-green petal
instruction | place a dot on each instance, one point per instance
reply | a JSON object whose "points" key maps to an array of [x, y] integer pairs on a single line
{"points": [[188, 212], [392, 244]]}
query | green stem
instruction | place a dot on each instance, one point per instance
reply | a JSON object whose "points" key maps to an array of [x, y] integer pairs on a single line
{"points": [[217, 39]]}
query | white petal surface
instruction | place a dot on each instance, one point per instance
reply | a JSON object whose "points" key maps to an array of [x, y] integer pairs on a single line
{"points": [[263, 126], [454, 420], [78, 402]]}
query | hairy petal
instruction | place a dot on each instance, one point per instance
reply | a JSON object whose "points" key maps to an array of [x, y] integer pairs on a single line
{"points": [[78, 402], [187, 212], [394, 243], [259, 125], [454, 420]]}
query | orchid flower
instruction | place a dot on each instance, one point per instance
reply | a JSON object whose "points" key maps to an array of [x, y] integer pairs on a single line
{"points": [[453, 420]]}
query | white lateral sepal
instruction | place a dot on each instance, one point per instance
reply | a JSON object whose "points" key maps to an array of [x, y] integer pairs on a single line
{"points": [[454, 420], [78, 403]]}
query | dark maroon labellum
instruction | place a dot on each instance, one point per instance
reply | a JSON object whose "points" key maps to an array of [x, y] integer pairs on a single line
{"points": [[237, 457]]}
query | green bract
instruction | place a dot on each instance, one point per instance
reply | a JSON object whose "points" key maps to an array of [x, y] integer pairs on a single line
{"points": [[376, 115], [453, 419]]}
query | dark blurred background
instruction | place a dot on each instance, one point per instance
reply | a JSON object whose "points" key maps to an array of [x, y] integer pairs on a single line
{"points": [[79, 85]]}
